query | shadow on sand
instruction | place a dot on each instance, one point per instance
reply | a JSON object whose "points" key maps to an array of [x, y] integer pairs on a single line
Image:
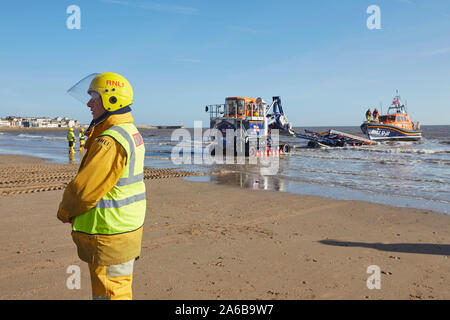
{"points": [[422, 248]]}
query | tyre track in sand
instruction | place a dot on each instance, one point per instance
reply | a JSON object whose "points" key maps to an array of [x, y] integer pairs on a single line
{"points": [[49, 177]]}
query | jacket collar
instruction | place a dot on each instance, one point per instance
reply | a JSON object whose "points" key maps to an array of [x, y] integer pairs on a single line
{"points": [[95, 129], [106, 115]]}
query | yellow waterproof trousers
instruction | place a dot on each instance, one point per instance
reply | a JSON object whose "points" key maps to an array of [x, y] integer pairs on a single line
{"points": [[112, 282], [81, 144]]}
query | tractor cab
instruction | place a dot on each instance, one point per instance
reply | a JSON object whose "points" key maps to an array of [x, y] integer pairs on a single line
{"points": [[241, 107]]}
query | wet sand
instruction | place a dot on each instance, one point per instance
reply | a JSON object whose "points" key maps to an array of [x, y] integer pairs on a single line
{"points": [[203, 241]]}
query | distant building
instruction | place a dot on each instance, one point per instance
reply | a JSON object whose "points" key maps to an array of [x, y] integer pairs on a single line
{"points": [[29, 124], [5, 123], [39, 122]]}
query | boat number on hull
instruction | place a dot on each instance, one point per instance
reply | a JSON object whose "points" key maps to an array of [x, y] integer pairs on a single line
{"points": [[378, 132]]}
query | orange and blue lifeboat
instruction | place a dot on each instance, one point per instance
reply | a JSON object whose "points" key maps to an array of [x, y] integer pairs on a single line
{"points": [[396, 125]]}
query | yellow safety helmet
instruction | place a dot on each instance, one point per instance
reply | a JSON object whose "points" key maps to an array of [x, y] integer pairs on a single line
{"points": [[70, 129], [115, 90]]}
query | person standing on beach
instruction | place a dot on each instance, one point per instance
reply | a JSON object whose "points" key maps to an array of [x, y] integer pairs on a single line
{"points": [[106, 201], [71, 139], [82, 137]]}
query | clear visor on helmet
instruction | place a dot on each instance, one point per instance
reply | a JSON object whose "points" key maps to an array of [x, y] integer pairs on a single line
{"points": [[80, 90]]}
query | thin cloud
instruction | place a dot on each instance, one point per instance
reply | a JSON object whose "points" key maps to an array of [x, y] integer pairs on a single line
{"points": [[153, 6], [437, 52], [406, 1]]}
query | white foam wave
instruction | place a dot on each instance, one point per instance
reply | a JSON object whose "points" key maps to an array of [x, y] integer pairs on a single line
{"points": [[171, 143], [375, 160], [157, 158], [370, 175], [38, 137]]}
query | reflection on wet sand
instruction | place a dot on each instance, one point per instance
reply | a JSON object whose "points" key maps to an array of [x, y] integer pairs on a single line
{"points": [[82, 152], [250, 181], [71, 157]]}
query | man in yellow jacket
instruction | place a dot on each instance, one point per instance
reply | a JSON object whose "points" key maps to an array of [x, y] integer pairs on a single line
{"points": [[71, 139], [82, 138], [106, 201]]}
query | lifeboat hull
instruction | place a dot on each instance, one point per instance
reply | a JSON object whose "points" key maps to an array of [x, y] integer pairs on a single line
{"points": [[378, 131]]}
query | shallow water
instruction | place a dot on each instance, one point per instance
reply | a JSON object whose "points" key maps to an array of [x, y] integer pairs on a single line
{"points": [[407, 174]]}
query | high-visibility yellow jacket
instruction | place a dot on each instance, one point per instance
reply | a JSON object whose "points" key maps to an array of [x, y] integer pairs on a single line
{"points": [[101, 185], [70, 136]]}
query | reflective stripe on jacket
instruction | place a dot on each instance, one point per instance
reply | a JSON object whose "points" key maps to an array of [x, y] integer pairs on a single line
{"points": [[122, 209]]}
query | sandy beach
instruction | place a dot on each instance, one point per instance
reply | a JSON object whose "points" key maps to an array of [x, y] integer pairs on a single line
{"points": [[203, 241]]}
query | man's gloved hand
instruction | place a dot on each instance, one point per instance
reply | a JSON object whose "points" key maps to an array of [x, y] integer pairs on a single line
{"points": [[64, 216]]}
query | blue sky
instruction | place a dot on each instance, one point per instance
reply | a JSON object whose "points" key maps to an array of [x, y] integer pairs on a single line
{"points": [[181, 55]]}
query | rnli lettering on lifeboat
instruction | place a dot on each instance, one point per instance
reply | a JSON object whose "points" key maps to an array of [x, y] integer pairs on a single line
{"points": [[378, 132]]}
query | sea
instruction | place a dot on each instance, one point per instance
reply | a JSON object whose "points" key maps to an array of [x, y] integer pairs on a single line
{"points": [[403, 174]]}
